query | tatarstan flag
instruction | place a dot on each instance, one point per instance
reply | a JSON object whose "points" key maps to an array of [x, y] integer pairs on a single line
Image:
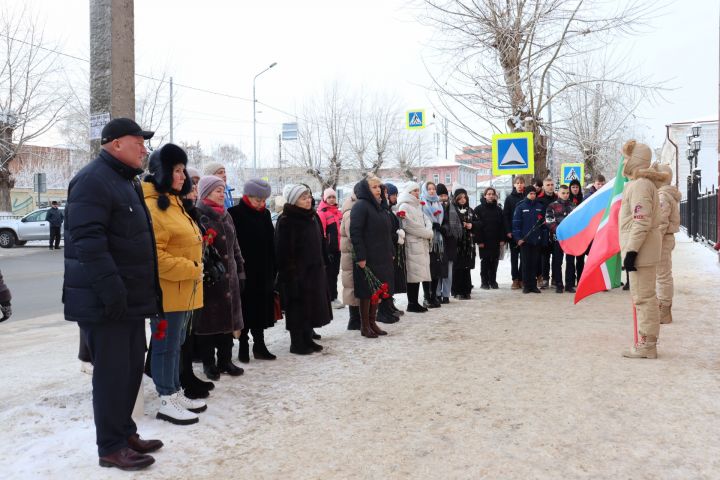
{"points": [[603, 266]]}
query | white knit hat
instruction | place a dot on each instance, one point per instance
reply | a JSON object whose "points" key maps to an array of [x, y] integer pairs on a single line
{"points": [[294, 192]]}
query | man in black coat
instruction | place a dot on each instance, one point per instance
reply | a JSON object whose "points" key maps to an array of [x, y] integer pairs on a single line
{"points": [[55, 219], [546, 196], [5, 297], [111, 285], [517, 196]]}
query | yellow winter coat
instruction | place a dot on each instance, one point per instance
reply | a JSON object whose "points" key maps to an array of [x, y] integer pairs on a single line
{"points": [[179, 251], [670, 207]]}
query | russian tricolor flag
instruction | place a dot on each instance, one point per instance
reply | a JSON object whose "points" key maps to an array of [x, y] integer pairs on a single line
{"points": [[579, 228]]}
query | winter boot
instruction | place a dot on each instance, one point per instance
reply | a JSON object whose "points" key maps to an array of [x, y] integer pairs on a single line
{"points": [[308, 337], [365, 328], [665, 314], [416, 308], [516, 285], [243, 347], [171, 411], [297, 343], [645, 348], [316, 336], [354, 318], [542, 283], [193, 386], [211, 371], [195, 406], [384, 315], [559, 288], [260, 351], [395, 311], [372, 319]]}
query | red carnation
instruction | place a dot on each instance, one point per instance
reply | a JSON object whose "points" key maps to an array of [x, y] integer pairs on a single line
{"points": [[540, 216], [422, 203], [401, 214], [160, 330], [385, 287], [209, 236], [437, 212]]}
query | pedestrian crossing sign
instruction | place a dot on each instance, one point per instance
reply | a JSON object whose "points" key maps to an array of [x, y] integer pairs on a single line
{"points": [[513, 154], [572, 171], [415, 119]]}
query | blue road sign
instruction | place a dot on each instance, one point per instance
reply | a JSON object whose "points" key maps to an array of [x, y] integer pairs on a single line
{"points": [[513, 154], [415, 119]]}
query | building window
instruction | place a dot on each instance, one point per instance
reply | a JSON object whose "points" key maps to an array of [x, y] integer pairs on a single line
{"points": [[448, 178], [436, 178]]}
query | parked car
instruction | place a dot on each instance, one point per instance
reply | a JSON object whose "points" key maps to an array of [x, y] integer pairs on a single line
{"points": [[18, 231]]}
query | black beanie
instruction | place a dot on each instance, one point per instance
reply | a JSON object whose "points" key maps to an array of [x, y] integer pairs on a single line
{"points": [[442, 189], [160, 166]]}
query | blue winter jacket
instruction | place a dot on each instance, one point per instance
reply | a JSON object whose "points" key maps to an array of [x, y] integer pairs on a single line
{"points": [[526, 217]]}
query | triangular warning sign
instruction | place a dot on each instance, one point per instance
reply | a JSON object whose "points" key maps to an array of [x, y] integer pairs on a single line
{"points": [[572, 175], [415, 120], [513, 157]]}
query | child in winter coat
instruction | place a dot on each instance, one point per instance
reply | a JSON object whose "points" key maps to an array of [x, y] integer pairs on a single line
{"points": [[532, 236]]}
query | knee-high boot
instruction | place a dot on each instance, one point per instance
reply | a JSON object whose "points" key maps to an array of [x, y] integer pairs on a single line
{"points": [[260, 351], [365, 328], [372, 317]]}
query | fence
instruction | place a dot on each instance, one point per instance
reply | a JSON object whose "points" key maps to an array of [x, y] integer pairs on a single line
{"points": [[704, 217]]}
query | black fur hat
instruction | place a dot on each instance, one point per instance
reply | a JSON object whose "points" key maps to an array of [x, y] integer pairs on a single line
{"points": [[160, 166]]}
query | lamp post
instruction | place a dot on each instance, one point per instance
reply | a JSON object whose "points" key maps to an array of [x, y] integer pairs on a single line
{"points": [[694, 177], [255, 120]]}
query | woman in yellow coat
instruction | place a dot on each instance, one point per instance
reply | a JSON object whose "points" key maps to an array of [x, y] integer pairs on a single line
{"points": [[179, 252]]}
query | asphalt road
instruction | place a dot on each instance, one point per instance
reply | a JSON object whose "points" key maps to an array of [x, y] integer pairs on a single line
{"points": [[34, 275]]}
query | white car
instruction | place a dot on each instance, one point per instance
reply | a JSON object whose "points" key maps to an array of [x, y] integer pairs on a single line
{"points": [[32, 226]]}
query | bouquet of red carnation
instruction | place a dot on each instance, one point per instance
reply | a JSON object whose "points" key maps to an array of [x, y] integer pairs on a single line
{"points": [[437, 212], [401, 214], [381, 290], [422, 203], [160, 329], [209, 237]]}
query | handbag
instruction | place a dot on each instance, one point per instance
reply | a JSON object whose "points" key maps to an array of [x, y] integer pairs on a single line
{"points": [[277, 306]]}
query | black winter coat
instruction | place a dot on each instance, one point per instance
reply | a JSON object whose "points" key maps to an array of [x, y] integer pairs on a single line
{"points": [[4, 291], [110, 255], [222, 312], [54, 217], [301, 269], [492, 227], [465, 257], [371, 236], [400, 278], [255, 234], [511, 203]]}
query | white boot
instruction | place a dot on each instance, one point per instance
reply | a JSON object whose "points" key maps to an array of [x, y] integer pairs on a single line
{"points": [[86, 367], [173, 412], [195, 406]]}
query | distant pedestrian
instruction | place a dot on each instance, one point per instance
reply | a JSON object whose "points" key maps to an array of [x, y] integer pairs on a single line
{"points": [[5, 298], [435, 213], [330, 218], [418, 235], [218, 169], [597, 185], [111, 285], [179, 252], [452, 231], [531, 234], [387, 311], [255, 234], [490, 237], [302, 281], [469, 225], [555, 213], [516, 196], [55, 219]]}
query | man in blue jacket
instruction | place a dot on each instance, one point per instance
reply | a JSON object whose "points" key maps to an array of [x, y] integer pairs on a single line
{"points": [[111, 285], [55, 219], [531, 235]]}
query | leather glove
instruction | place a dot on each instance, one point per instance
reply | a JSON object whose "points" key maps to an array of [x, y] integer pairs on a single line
{"points": [[629, 262], [115, 311], [435, 226], [6, 311]]}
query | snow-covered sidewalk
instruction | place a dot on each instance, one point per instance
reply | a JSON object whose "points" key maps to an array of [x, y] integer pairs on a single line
{"points": [[506, 386]]}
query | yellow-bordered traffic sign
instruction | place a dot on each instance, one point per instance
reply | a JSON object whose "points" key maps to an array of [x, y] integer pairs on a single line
{"points": [[572, 171], [513, 154], [415, 119]]}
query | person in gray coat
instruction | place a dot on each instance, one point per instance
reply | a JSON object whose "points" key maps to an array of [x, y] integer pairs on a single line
{"points": [[55, 219]]}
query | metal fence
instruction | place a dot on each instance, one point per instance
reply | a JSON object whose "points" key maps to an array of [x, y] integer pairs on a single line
{"points": [[704, 217]]}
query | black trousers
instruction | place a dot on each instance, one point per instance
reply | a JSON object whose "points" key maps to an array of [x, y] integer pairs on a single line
{"points": [[413, 290], [332, 270], [83, 351], [489, 260], [557, 262], [461, 283], [573, 269], [223, 342], [530, 258], [117, 350], [515, 261], [55, 237], [545, 253]]}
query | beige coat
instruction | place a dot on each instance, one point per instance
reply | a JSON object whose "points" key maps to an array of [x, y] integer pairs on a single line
{"points": [[346, 262], [418, 234], [670, 207], [640, 217]]}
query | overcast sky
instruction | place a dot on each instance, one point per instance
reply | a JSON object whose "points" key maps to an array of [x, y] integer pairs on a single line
{"points": [[378, 45]]}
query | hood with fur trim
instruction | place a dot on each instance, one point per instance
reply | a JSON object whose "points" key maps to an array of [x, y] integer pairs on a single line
{"points": [[671, 190], [638, 156], [160, 168]]}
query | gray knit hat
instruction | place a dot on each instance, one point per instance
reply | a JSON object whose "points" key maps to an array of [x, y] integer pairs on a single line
{"points": [[257, 187], [207, 184], [213, 167], [294, 192]]}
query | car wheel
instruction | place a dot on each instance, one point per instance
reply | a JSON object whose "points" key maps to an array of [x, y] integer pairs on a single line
{"points": [[7, 239]]}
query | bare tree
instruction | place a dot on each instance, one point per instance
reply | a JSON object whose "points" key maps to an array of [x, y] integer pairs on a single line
{"points": [[371, 130], [322, 138], [31, 95], [152, 104], [385, 122], [234, 160], [503, 51], [410, 152]]}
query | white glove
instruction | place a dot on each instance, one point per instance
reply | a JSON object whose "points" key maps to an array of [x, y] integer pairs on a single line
{"points": [[401, 236]]}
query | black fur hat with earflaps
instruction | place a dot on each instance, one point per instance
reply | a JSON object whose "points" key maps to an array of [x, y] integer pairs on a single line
{"points": [[161, 164]]}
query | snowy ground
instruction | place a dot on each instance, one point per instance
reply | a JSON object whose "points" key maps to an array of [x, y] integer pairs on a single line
{"points": [[506, 386]]}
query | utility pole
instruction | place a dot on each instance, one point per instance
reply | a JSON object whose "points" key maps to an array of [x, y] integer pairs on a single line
{"points": [[171, 110], [112, 62]]}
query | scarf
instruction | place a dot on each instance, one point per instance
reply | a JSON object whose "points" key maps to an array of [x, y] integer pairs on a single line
{"points": [[220, 209], [456, 226], [432, 206], [246, 200]]}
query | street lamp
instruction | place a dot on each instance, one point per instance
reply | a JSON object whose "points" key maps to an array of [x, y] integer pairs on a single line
{"points": [[694, 178], [255, 120]]}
